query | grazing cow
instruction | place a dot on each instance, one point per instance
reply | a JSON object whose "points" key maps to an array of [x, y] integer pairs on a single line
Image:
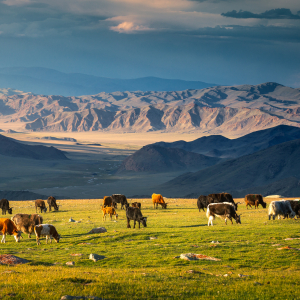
{"points": [[109, 211], [255, 199], [136, 204], [118, 198], [108, 202], [221, 198], [158, 199], [295, 205], [225, 210], [47, 230], [202, 202], [25, 223], [280, 208], [41, 204], [4, 205], [52, 203], [134, 213], [7, 226]]}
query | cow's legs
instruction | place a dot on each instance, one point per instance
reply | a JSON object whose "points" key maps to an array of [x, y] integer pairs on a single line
{"points": [[3, 239], [110, 216], [210, 220], [38, 240], [134, 223], [269, 217], [273, 217], [128, 223], [139, 224]]}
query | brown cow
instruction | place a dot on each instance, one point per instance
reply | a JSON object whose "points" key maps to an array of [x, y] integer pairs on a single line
{"points": [[41, 204], [255, 199], [47, 230], [108, 202], [7, 226], [136, 204], [109, 211], [158, 199], [25, 223], [52, 203]]}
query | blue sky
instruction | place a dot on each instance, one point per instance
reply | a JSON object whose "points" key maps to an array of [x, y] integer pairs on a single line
{"points": [[220, 41]]}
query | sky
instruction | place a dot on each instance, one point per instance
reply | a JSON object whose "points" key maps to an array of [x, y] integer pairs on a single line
{"points": [[226, 42]]}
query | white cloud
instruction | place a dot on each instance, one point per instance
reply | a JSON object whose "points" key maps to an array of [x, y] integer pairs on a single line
{"points": [[16, 2], [129, 27]]}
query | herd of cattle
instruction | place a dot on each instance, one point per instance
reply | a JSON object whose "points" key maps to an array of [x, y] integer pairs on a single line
{"points": [[219, 205]]}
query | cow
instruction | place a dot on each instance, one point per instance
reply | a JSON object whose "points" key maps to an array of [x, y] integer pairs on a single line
{"points": [[4, 205], [202, 202], [41, 204], [25, 223], [118, 198], [221, 198], [225, 210], [47, 230], [158, 199], [280, 208], [134, 213], [108, 202], [295, 205], [52, 203], [255, 199], [109, 211], [136, 204], [7, 226]]}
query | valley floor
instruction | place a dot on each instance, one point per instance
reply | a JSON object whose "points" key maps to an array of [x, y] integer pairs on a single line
{"points": [[137, 267]]}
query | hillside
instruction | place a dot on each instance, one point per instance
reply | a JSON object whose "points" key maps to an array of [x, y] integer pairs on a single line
{"points": [[256, 172], [154, 158], [219, 146], [11, 147]]}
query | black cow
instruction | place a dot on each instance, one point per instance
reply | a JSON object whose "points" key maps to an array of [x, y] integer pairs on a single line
{"points": [[136, 204], [295, 205], [52, 203], [134, 213], [220, 198], [224, 210], [4, 205], [118, 198], [255, 199], [202, 202]]}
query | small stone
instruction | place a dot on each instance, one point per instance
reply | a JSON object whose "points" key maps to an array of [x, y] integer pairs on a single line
{"points": [[241, 275], [152, 238], [257, 283], [98, 230], [70, 263], [215, 242], [71, 220], [225, 275], [96, 257], [76, 254]]}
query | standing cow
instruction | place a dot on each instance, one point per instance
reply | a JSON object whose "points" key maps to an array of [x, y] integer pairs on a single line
{"points": [[118, 198], [158, 199], [280, 208], [221, 198], [52, 203], [134, 213], [41, 204], [25, 223], [46, 230], [108, 202], [255, 199], [295, 205], [4, 205], [7, 226], [136, 204], [225, 210], [202, 202]]}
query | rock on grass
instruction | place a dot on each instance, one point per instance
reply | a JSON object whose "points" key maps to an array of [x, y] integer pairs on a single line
{"points": [[8, 259]]}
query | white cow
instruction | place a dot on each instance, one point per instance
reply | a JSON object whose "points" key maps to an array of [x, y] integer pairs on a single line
{"points": [[280, 208]]}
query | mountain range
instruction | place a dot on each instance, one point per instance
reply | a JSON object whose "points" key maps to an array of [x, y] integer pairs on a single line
{"points": [[238, 110], [51, 82]]}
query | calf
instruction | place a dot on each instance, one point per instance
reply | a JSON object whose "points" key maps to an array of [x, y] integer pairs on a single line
{"points": [[280, 208], [25, 223], [52, 203], [136, 204], [47, 230], [4, 205], [109, 211], [255, 199], [225, 210], [221, 198], [118, 198], [134, 213], [7, 226], [108, 202], [41, 204], [158, 199], [202, 202]]}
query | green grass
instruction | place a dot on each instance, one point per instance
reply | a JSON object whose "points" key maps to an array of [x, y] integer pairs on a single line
{"points": [[138, 268]]}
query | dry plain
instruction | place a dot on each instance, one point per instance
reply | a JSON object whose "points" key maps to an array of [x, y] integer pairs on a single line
{"points": [[137, 267]]}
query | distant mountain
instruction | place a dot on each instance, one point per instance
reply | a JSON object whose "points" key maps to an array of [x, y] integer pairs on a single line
{"points": [[154, 158], [267, 171], [236, 110], [11, 147], [219, 146], [51, 82]]}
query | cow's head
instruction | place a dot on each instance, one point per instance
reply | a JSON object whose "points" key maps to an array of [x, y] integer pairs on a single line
{"points": [[292, 215], [56, 208], [144, 221], [17, 236], [57, 238], [126, 205], [116, 216], [164, 205], [238, 219], [10, 210], [264, 204]]}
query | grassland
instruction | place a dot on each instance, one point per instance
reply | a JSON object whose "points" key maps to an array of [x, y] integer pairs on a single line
{"points": [[136, 267]]}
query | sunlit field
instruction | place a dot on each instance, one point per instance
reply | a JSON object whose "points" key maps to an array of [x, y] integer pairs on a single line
{"points": [[137, 267]]}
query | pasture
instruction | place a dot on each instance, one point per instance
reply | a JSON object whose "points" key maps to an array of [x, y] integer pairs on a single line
{"points": [[137, 267]]}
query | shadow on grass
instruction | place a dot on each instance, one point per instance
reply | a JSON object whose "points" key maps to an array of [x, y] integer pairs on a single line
{"points": [[198, 225], [40, 263]]}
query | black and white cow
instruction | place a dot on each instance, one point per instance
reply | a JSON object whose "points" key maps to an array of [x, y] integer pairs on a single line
{"points": [[225, 210], [134, 213], [280, 208], [4, 205]]}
